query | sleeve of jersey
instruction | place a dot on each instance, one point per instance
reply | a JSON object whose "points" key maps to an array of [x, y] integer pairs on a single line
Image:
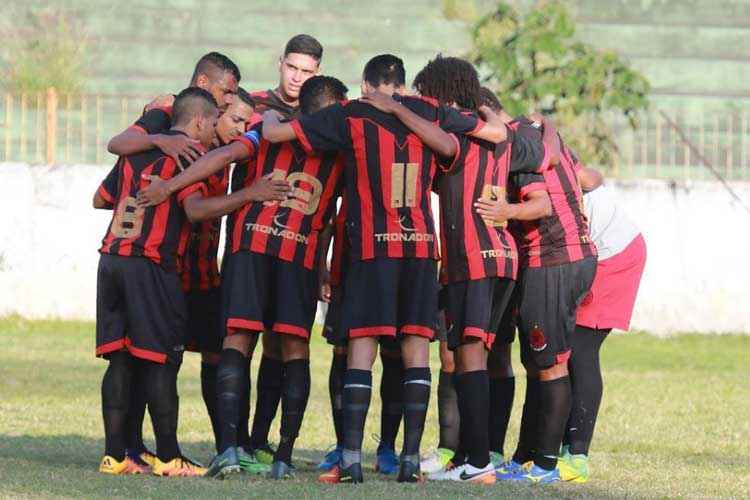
{"points": [[250, 139], [108, 188], [154, 121], [451, 120], [528, 153], [198, 187], [326, 130], [528, 183], [450, 164]]}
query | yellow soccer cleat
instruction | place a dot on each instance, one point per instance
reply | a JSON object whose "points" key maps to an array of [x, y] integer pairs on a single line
{"points": [[573, 468], [178, 467], [110, 465]]}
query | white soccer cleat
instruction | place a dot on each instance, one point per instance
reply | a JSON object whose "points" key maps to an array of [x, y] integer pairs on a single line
{"points": [[436, 461], [467, 473]]}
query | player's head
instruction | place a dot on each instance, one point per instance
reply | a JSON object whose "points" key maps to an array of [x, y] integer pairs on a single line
{"points": [[451, 81], [300, 61], [320, 92], [384, 73], [195, 112], [217, 74], [488, 98], [234, 120]]}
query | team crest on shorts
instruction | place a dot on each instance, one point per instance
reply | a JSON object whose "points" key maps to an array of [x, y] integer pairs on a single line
{"points": [[537, 340], [588, 299]]}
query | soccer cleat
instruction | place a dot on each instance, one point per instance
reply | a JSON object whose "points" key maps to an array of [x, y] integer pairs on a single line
{"points": [[110, 465], [496, 459], [467, 473], [387, 461], [224, 464], [409, 472], [537, 475], [331, 459], [331, 476], [436, 461], [281, 470], [350, 475], [142, 456], [250, 464], [573, 468], [264, 454], [510, 469], [178, 467]]}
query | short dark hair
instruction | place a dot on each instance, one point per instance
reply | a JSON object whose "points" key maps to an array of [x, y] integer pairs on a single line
{"points": [[304, 44], [214, 65], [245, 97], [488, 98], [191, 102], [385, 69], [317, 92], [449, 80]]}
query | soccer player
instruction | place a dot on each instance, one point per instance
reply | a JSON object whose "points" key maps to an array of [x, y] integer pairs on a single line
{"points": [[479, 259], [621, 258], [141, 309], [388, 177], [269, 280], [558, 262], [299, 62]]}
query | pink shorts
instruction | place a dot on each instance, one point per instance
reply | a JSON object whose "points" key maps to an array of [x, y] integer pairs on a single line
{"points": [[610, 302]]}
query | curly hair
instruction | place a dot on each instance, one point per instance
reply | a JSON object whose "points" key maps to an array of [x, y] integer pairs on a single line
{"points": [[489, 99], [449, 80]]}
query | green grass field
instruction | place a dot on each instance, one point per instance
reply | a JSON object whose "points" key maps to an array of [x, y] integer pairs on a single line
{"points": [[674, 423]]}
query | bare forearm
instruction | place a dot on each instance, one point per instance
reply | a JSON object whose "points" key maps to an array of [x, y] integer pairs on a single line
{"points": [[589, 178], [206, 166], [551, 142], [492, 132], [436, 138], [131, 142], [532, 209], [275, 131], [200, 209]]}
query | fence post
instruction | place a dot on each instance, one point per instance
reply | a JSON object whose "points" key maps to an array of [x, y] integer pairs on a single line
{"points": [[83, 128], [24, 147], [51, 125], [8, 125], [98, 129]]}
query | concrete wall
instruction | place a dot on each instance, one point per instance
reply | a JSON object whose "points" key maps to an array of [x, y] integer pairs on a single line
{"points": [[696, 278]]}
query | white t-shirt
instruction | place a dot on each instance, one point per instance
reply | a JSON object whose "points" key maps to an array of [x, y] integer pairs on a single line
{"points": [[611, 230]]}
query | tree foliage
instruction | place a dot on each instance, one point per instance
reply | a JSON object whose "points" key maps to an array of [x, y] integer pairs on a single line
{"points": [[533, 62]]}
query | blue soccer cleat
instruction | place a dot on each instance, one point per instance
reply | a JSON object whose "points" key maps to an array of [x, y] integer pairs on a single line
{"points": [[331, 459], [387, 461]]}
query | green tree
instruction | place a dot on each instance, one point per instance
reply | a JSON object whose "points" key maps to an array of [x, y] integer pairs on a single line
{"points": [[533, 62]]}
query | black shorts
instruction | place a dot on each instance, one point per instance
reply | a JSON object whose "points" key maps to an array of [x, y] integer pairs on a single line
{"points": [[508, 312], [264, 293], [390, 297], [474, 309], [549, 298], [139, 307], [332, 330], [204, 320]]}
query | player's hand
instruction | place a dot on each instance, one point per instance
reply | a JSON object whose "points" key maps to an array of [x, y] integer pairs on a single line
{"points": [[268, 189], [494, 211], [381, 101], [324, 284], [179, 147], [156, 192], [488, 115], [161, 101]]}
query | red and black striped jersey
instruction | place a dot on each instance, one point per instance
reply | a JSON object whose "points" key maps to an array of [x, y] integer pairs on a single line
{"points": [[340, 246], [472, 248], [289, 229], [268, 99], [388, 173], [154, 121], [200, 269], [562, 237], [159, 233]]}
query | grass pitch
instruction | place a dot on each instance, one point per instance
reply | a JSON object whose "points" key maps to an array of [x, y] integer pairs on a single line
{"points": [[673, 423]]}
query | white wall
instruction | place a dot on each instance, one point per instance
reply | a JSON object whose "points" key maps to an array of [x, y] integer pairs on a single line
{"points": [[696, 278]]}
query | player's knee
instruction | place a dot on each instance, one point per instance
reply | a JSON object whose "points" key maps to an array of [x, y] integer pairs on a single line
{"points": [[210, 358], [415, 351], [554, 372], [361, 353], [272, 346], [294, 348], [239, 341]]}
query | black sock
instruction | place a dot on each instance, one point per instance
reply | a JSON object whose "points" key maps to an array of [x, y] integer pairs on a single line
{"points": [[587, 388], [294, 395], [136, 409], [529, 418], [502, 391], [231, 381], [357, 392], [243, 433], [163, 404], [208, 390], [554, 409], [474, 393], [115, 402], [391, 393], [270, 375], [336, 391], [448, 415], [459, 458], [417, 383]]}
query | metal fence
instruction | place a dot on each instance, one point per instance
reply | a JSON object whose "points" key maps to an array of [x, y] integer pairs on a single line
{"points": [[53, 128]]}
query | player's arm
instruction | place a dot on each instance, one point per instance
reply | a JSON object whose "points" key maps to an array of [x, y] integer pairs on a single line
{"points": [[535, 203], [104, 197], [101, 203], [324, 274], [527, 154], [440, 141], [494, 129], [199, 208], [550, 138], [274, 130], [147, 133], [589, 178]]}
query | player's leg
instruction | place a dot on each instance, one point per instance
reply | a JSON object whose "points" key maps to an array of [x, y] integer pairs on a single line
{"points": [[270, 375], [335, 336], [391, 394]]}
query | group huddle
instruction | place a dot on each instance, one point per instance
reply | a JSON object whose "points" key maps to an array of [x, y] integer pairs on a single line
{"points": [[529, 240]]}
